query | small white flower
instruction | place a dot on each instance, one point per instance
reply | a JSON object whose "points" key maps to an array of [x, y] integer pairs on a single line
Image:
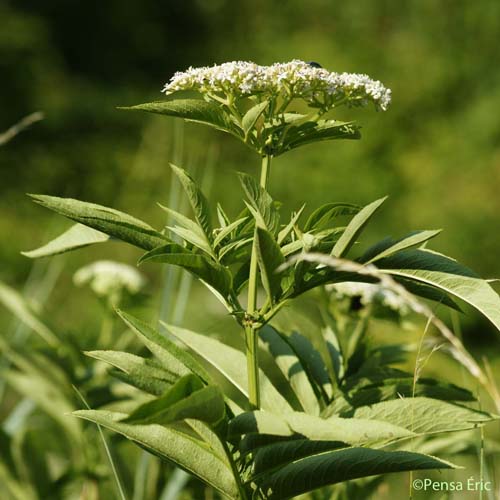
{"points": [[107, 278], [294, 79]]}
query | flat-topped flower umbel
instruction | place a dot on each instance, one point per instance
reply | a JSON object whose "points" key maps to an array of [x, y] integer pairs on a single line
{"points": [[296, 79], [263, 106]]}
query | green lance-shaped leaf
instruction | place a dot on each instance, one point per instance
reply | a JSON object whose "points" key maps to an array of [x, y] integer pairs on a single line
{"points": [[335, 353], [285, 120], [148, 375], [209, 436], [222, 216], [283, 234], [173, 358], [446, 275], [321, 241], [77, 236], [312, 362], [269, 258], [190, 231], [272, 455], [426, 291], [193, 238], [191, 454], [323, 130], [236, 251], [394, 388], [192, 110], [261, 202], [212, 273], [107, 220], [19, 306], [231, 363], [252, 115], [333, 467], [424, 415], [388, 246], [322, 276], [189, 398], [197, 200], [241, 276], [347, 430], [374, 372], [324, 214], [355, 227], [228, 229], [291, 367]]}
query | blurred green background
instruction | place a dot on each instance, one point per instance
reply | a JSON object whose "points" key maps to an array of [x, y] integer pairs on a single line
{"points": [[436, 152]]}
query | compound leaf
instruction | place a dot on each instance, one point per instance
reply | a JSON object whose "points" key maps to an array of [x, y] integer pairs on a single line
{"points": [[191, 454]]}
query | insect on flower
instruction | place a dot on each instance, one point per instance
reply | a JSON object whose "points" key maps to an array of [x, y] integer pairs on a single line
{"points": [[314, 64]]}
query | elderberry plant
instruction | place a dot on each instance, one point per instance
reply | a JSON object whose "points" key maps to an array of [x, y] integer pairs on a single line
{"points": [[346, 413]]}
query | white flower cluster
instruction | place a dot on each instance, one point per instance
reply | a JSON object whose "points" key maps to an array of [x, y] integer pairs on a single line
{"points": [[295, 79], [106, 278], [372, 294]]}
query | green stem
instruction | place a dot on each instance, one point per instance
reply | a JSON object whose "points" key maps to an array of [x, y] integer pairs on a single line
{"points": [[251, 336], [264, 173], [252, 333]]}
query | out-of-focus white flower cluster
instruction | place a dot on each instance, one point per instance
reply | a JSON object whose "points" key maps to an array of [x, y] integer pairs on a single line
{"points": [[110, 279], [372, 294], [295, 79]]}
